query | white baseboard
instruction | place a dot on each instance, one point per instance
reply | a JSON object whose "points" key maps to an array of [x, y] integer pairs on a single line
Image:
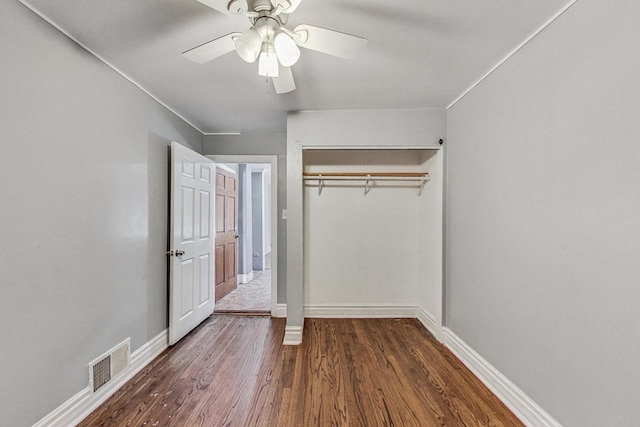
{"points": [[428, 320], [515, 399], [359, 310], [292, 335], [245, 278], [78, 407]]}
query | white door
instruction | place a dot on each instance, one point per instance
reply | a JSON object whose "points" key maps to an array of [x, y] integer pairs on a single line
{"points": [[191, 262]]}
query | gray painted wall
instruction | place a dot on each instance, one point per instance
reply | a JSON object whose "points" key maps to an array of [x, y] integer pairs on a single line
{"points": [[84, 184], [261, 144], [543, 216]]}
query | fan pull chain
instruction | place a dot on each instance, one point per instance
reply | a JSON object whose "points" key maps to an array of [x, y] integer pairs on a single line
{"points": [[266, 80]]}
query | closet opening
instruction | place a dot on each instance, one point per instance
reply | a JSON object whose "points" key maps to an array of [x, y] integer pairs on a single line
{"points": [[372, 226]]}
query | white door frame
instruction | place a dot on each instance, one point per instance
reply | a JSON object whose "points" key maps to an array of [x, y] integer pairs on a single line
{"points": [[273, 161]]}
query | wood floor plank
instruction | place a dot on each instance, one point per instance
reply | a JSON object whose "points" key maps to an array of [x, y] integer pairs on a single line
{"points": [[469, 392], [234, 371], [262, 404]]}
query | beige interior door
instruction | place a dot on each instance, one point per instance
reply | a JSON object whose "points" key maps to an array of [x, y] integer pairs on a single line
{"points": [[226, 253]]}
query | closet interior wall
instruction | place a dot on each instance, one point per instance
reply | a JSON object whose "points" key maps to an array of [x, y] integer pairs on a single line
{"points": [[379, 249]]}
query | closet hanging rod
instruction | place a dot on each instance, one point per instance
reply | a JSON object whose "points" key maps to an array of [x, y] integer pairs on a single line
{"points": [[420, 177], [316, 175]]}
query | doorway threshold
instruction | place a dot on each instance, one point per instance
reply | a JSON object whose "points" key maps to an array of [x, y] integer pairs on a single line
{"points": [[245, 313]]}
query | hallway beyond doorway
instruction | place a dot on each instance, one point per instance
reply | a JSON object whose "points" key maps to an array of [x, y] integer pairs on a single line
{"points": [[252, 297]]}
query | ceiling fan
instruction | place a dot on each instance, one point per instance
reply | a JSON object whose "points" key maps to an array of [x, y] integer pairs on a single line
{"points": [[270, 42]]}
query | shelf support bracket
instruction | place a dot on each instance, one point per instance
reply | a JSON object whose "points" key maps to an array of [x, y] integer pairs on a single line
{"points": [[366, 185], [424, 182], [320, 184]]}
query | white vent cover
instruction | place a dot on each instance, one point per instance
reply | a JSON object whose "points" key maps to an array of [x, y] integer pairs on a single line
{"points": [[109, 365], [101, 373]]}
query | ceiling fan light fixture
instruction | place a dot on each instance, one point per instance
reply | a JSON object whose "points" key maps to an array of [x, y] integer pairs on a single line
{"points": [[286, 49], [248, 45], [270, 42], [268, 62]]}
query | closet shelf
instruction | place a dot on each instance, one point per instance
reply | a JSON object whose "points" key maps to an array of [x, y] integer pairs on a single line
{"points": [[420, 177]]}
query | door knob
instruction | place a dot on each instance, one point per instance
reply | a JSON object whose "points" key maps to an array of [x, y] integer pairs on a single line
{"points": [[176, 253]]}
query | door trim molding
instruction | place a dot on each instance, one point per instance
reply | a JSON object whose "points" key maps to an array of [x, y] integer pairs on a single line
{"points": [[292, 335], [281, 310], [273, 161]]}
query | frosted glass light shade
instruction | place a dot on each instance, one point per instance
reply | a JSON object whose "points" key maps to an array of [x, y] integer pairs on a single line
{"points": [[268, 62], [248, 45], [286, 49]]}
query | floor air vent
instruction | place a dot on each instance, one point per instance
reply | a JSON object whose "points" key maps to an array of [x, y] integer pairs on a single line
{"points": [[109, 365]]}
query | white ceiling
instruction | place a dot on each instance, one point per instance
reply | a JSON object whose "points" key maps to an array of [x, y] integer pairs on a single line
{"points": [[421, 53]]}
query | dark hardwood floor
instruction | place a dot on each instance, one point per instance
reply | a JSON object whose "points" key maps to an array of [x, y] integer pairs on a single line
{"points": [[233, 371]]}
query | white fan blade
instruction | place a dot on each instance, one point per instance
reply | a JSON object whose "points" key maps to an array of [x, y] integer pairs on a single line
{"points": [[286, 6], [221, 6], [284, 82], [293, 7], [213, 49], [329, 41]]}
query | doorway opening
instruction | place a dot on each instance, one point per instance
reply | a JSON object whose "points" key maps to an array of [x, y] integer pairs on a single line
{"points": [[253, 288]]}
